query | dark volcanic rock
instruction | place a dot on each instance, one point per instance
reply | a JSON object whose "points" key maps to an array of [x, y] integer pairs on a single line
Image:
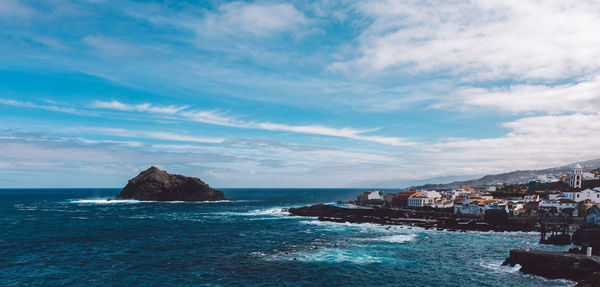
{"points": [[588, 236], [591, 280], [425, 219], [157, 185], [554, 265]]}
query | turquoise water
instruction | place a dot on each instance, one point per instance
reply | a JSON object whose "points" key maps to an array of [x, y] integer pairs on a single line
{"points": [[75, 237]]}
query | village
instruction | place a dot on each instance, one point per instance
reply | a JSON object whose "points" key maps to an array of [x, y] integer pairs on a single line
{"points": [[564, 210], [567, 198]]}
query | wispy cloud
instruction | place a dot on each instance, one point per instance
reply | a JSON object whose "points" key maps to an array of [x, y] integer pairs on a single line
{"points": [[146, 107], [55, 108], [150, 135], [110, 46], [216, 118], [15, 9]]}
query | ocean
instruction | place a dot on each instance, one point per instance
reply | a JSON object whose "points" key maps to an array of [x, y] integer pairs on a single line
{"points": [[74, 237]]}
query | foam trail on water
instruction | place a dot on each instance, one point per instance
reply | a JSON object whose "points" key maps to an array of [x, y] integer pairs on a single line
{"points": [[331, 255], [111, 201], [277, 211], [104, 201], [400, 238]]}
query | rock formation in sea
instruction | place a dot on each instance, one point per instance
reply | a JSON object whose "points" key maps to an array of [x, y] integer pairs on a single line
{"points": [[154, 184]]}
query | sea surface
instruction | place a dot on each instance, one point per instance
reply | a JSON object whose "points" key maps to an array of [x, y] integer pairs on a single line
{"points": [[74, 237]]}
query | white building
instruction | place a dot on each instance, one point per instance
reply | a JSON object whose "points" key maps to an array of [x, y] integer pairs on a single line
{"points": [[588, 176], [544, 178], [515, 207], [576, 176], [457, 193], [477, 208], [431, 194], [587, 194], [370, 197], [444, 203], [560, 205], [556, 196], [375, 194], [531, 198], [418, 200]]}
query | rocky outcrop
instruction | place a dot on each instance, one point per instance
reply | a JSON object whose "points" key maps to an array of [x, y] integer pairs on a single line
{"points": [[554, 265], [154, 184], [591, 280], [588, 236]]}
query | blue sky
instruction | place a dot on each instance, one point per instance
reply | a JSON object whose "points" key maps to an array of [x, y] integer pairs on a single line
{"points": [[295, 94]]}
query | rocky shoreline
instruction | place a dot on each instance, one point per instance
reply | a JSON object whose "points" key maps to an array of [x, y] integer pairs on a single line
{"points": [[557, 265], [425, 219]]}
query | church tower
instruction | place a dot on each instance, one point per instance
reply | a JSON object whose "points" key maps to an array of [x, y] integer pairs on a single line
{"points": [[576, 176]]}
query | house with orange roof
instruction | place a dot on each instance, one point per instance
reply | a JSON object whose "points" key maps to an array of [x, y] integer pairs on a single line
{"points": [[419, 200]]}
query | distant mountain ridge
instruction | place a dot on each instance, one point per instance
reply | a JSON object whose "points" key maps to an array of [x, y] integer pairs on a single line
{"points": [[518, 176]]}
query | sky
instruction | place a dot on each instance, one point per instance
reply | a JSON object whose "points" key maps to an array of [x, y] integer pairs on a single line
{"points": [[295, 94]]}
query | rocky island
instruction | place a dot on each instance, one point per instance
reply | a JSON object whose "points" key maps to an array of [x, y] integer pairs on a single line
{"points": [[154, 184]]}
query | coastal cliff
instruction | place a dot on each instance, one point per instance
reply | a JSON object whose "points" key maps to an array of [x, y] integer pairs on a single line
{"points": [[154, 184]]}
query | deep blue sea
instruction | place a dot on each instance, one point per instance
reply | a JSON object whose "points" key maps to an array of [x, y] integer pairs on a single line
{"points": [[74, 237]]}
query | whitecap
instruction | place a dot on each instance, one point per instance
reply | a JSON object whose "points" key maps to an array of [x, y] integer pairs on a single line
{"points": [[399, 238], [277, 211], [270, 211], [331, 255], [103, 201], [498, 267], [364, 227]]}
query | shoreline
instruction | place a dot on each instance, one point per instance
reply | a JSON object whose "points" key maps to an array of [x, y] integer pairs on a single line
{"points": [[423, 219]]}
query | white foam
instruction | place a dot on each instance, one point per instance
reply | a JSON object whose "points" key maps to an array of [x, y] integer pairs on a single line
{"points": [[497, 266], [333, 255], [399, 238], [270, 211], [273, 212], [365, 227], [211, 201], [104, 201]]}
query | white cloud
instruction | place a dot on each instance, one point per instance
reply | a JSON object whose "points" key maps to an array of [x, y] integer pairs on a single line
{"points": [[13, 8], [151, 135], [54, 108], [111, 46], [259, 19], [215, 118], [480, 38], [235, 19], [146, 107], [532, 143], [573, 97]]}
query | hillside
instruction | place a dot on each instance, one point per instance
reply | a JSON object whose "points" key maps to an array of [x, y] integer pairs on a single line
{"points": [[513, 177]]}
